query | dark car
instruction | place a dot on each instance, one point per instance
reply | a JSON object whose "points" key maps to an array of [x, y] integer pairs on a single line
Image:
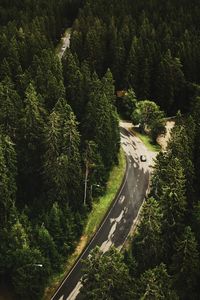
{"points": [[143, 158]]}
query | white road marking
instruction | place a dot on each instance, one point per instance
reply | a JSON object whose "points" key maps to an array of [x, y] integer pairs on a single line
{"points": [[75, 291], [135, 148], [118, 219], [121, 199], [106, 246]]}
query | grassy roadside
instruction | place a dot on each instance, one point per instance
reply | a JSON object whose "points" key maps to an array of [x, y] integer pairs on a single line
{"points": [[94, 220], [147, 141]]}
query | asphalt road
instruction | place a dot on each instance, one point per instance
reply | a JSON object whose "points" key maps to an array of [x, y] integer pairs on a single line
{"points": [[118, 222], [65, 42]]}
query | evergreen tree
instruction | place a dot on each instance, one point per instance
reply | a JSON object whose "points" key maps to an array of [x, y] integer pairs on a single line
{"points": [[8, 178], [64, 182], [47, 247], [155, 284], [10, 108], [181, 146], [105, 276], [74, 84], [101, 123], [186, 265], [48, 78], [147, 245], [31, 147], [170, 82], [127, 104]]}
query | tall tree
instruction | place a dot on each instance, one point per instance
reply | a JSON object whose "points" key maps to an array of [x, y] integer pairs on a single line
{"points": [[8, 172], [101, 123], [155, 284], [106, 276], [10, 108], [64, 182], [31, 147], [147, 245], [186, 265]]}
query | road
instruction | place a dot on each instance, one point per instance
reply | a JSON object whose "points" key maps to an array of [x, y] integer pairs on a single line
{"points": [[118, 222], [65, 42]]}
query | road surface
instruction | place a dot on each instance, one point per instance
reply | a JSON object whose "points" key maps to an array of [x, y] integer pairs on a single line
{"points": [[65, 42], [117, 224]]}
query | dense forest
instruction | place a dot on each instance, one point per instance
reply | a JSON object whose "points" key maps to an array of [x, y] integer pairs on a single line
{"points": [[152, 49], [59, 136], [46, 148]]}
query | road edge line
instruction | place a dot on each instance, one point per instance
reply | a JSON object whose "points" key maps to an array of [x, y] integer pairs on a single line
{"points": [[99, 228]]}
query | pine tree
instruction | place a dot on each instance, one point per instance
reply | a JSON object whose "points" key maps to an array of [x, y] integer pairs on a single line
{"points": [[105, 276], [181, 146], [47, 73], [48, 248], [64, 182], [132, 68], [74, 84], [186, 265], [101, 123], [147, 245], [8, 174], [170, 82], [10, 108], [155, 284], [31, 147]]}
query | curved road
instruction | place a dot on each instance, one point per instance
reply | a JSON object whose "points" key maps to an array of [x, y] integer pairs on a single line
{"points": [[118, 222]]}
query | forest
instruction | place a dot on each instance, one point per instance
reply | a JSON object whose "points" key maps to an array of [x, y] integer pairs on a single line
{"points": [[59, 126]]}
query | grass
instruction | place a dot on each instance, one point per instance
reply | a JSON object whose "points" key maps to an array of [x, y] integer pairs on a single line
{"points": [[94, 220], [100, 208], [147, 141]]}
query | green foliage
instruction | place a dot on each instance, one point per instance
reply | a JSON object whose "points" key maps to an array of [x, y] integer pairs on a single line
{"points": [[182, 146], [157, 128], [146, 113], [105, 276], [101, 121], [30, 274], [186, 265], [30, 147], [155, 284], [127, 104], [7, 178], [47, 247], [196, 221], [147, 245], [10, 108], [149, 117], [145, 47], [48, 78], [170, 82], [61, 155]]}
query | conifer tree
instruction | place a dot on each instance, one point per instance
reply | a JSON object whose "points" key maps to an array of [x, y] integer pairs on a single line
{"points": [[147, 245], [10, 108], [8, 174], [31, 146], [186, 265], [106, 276], [74, 79], [64, 182], [155, 284]]}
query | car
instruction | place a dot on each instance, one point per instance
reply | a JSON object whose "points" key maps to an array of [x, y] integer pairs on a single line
{"points": [[143, 158]]}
